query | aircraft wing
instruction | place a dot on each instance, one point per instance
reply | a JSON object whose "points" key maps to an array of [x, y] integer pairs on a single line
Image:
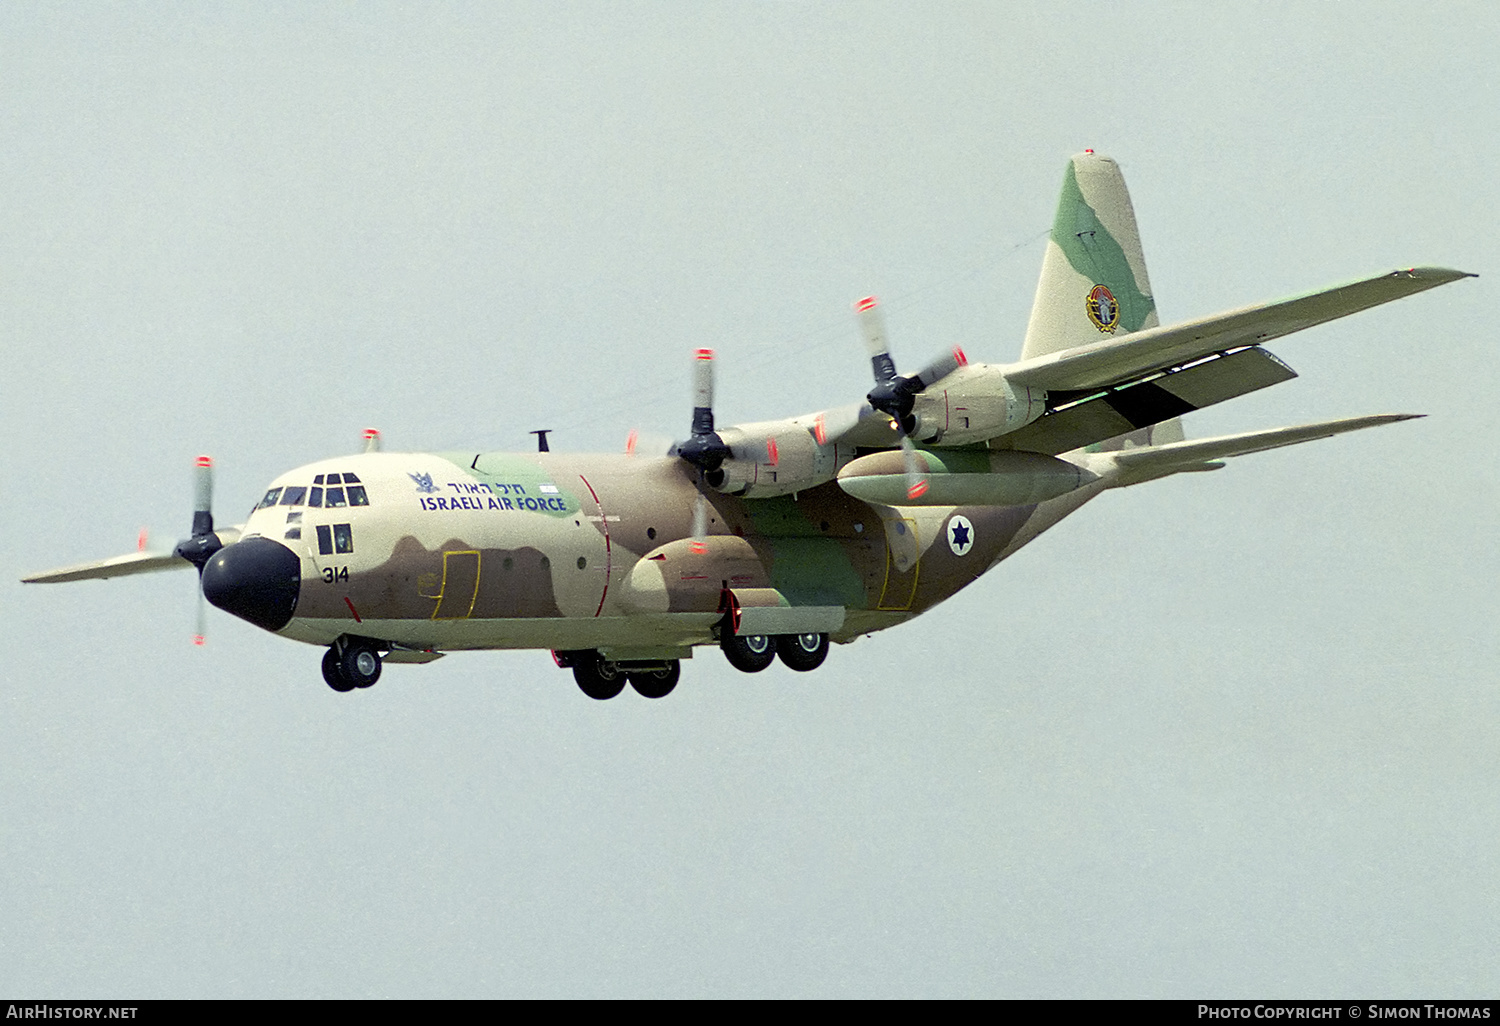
{"points": [[1118, 360], [116, 566], [1150, 462]]}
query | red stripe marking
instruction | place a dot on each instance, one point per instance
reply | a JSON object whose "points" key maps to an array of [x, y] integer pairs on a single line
{"points": [[357, 617], [604, 526], [865, 304], [205, 461], [705, 354]]}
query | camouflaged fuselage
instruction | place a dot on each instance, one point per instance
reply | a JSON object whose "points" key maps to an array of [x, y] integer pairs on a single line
{"points": [[551, 550]]}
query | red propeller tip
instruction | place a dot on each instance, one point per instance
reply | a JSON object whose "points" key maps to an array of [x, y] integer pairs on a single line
{"points": [[698, 547], [772, 455], [140, 541], [705, 354], [820, 430], [205, 461], [198, 640], [868, 303], [917, 490], [630, 441], [958, 354]]}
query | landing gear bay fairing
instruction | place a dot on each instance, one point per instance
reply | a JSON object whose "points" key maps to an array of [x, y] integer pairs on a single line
{"points": [[767, 540]]}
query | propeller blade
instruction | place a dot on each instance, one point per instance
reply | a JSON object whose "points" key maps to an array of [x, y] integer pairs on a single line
{"points": [[372, 440], [831, 425], [203, 482], [200, 631], [764, 451], [872, 328], [703, 392], [916, 469], [630, 441], [700, 522], [940, 368]]}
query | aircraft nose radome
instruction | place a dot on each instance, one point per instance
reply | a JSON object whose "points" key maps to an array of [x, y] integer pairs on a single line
{"points": [[257, 580]]}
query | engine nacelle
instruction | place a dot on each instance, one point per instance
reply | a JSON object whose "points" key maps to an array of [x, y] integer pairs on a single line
{"points": [[800, 462], [973, 404]]}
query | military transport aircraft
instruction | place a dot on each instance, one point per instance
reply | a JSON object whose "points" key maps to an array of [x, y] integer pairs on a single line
{"points": [[768, 539]]}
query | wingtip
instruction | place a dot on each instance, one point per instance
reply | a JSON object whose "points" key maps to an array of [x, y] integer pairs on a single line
{"points": [[1446, 274]]}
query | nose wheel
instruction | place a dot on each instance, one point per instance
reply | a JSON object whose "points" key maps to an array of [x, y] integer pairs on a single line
{"points": [[356, 666]]}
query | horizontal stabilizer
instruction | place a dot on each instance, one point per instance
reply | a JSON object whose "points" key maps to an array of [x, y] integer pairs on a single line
{"points": [[1118, 360], [1151, 462], [117, 566]]}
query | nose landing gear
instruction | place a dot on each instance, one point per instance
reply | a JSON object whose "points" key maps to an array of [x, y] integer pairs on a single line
{"points": [[351, 663]]}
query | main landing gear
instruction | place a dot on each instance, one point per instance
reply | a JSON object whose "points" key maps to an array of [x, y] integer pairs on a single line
{"points": [[754, 652], [351, 663], [600, 678]]}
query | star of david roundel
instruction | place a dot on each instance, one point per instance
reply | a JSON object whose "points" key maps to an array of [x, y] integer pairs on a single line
{"points": [[1103, 310], [960, 535]]}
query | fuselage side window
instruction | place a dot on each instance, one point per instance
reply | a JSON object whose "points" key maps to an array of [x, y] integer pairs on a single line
{"points": [[325, 540], [343, 538]]}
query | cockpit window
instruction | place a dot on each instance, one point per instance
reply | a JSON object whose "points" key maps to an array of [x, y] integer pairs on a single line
{"points": [[270, 499], [318, 479], [334, 497], [357, 495], [315, 498], [350, 479], [293, 496]]}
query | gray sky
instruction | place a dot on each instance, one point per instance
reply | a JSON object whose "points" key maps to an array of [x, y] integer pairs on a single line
{"points": [[1228, 734]]}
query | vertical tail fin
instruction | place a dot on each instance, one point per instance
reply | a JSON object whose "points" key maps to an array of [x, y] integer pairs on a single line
{"points": [[1094, 283]]}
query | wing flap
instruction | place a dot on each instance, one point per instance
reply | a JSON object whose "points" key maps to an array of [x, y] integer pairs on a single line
{"points": [[1094, 416], [1116, 361]]}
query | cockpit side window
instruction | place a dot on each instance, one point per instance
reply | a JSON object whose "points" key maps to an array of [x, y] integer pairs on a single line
{"points": [[270, 499], [315, 497], [293, 496]]}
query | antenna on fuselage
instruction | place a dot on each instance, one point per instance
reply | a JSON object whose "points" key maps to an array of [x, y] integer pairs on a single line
{"points": [[541, 439]]}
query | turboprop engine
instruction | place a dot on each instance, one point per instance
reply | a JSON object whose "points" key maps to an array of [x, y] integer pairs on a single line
{"points": [[967, 477], [973, 403], [793, 460]]}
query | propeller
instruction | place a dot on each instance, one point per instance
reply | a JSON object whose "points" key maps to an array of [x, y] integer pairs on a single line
{"points": [[200, 547], [196, 550], [706, 449], [896, 395]]}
